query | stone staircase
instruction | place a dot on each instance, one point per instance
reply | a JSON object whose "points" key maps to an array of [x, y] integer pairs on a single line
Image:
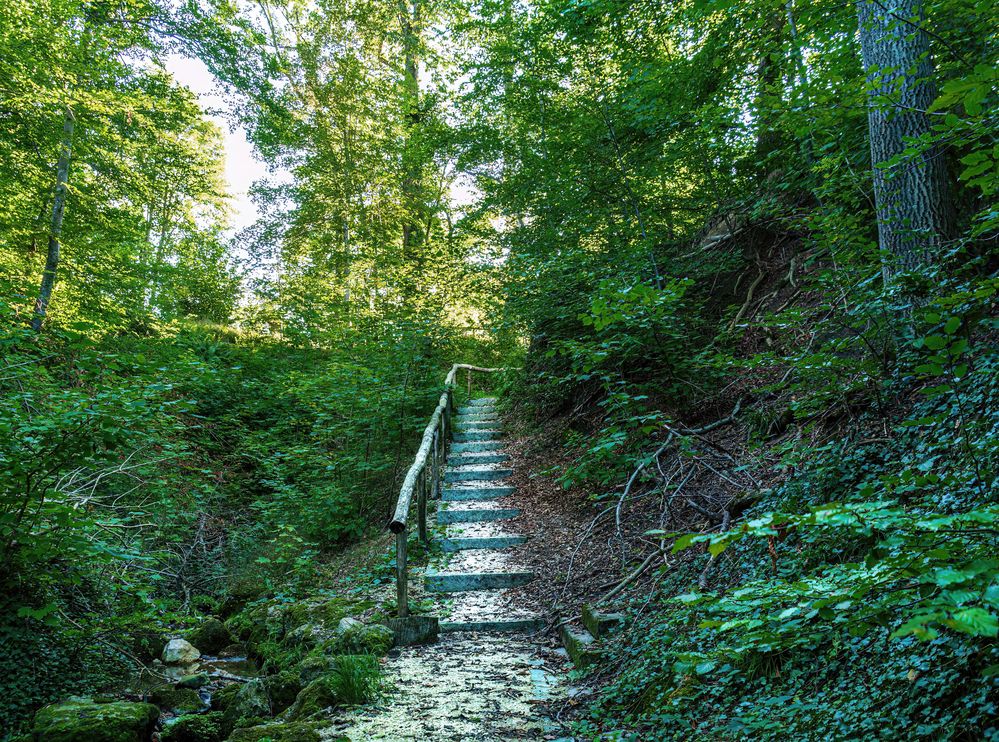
{"points": [[479, 565]]}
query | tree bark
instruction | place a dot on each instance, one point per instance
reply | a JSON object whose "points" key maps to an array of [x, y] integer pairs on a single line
{"points": [[55, 226], [410, 17], [915, 213]]}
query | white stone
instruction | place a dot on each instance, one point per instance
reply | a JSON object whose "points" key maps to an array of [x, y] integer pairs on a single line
{"points": [[180, 652]]}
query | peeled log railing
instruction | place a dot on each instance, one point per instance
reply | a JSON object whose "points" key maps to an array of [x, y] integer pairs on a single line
{"points": [[424, 479]]}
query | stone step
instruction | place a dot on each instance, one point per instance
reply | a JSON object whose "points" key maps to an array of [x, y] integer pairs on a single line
{"points": [[459, 582], [502, 625], [479, 402], [476, 417], [600, 624], [464, 459], [477, 473], [476, 446], [477, 436], [579, 644], [490, 542], [486, 492], [468, 427], [475, 516], [480, 410]]}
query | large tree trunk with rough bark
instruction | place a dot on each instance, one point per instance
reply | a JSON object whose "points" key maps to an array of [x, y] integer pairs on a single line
{"points": [[912, 193], [55, 225]]}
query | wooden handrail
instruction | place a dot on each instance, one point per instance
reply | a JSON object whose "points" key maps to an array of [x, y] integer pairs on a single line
{"points": [[434, 445]]}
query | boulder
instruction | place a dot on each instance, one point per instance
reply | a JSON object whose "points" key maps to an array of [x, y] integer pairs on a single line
{"points": [[82, 720], [251, 703], [195, 728], [212, 636], [298, 732], [223, 698], [306, 635], [177, 700], [282, 689], [198, 680], [354, 637], [180, 652], [313, 666], [318, 695]]}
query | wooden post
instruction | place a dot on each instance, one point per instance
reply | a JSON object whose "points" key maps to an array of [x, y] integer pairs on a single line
{"points": [[469, 385], [401, 587], [436, 492], [421, 505]]}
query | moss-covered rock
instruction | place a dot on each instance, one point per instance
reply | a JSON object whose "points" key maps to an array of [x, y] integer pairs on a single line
{"points": [[318, 695], [282, 689], [198, 680], [307, 635], [313, 666], [354, 637], [297, 732], [177, 700], [250, 704], [211, 636], [82, 720], [223, 697], [195, 728]]}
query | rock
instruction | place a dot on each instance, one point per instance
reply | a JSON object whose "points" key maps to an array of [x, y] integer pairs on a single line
{"points": [[318, 695], [354, 637], [177, 700], [313, 666], [195, 728], [233, 650], [250, 704], [222, 699], [278, 733], [354, 679], [306, 635], [180, 652], [211, 636], [82, 720], [196, 681], [282, 689]]}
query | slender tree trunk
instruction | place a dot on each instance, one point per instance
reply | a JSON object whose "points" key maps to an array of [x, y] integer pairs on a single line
{"points": [[410, 19], [912, 192], [55, 226]]}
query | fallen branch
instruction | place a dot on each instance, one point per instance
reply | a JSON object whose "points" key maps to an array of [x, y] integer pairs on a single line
{"points": [[702, 581]]}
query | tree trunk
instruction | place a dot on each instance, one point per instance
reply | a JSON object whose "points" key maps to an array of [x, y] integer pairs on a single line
{"points": [[410, 19], [55, 227], [912, 193]]}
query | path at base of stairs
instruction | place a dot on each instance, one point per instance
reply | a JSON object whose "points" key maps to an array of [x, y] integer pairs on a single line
{"points": [[467, 688]]}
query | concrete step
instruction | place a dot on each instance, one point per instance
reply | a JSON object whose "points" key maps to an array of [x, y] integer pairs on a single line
{"points": [[477, 436], [476, 446], [530, 625], [459, 582], [475, 516], [492, 542], [464, 459], [479, 410], [469, 426], [477, 473], [486, 492], [600, 624], [482, 401], [475, 417], [579, 644]]}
